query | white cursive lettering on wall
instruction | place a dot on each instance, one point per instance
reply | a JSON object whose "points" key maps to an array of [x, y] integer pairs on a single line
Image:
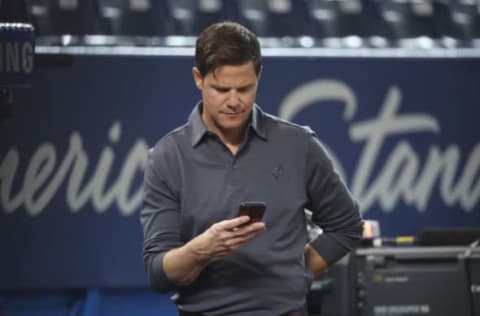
{"points": [[401, 176], [41, 183]]}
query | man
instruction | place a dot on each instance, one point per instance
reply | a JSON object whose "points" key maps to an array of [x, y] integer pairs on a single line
{"points": [[230, 152]]}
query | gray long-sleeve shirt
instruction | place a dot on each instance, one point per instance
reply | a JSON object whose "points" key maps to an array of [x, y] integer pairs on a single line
{"points": [[192, 181]]}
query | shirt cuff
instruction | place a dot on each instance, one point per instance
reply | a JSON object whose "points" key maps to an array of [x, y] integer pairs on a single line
{"points": [[158, 278], [329, 248]]}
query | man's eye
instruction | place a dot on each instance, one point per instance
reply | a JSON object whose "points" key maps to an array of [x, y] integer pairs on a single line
{"points": [[222, 90]]}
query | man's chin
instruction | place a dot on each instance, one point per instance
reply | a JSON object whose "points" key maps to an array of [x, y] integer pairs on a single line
{"points": [[231, 125]]}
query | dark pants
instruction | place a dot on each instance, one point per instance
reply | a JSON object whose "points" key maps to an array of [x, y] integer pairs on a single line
{"points": [[298, 312]]}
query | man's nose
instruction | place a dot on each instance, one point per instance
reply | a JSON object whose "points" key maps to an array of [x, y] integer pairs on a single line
{"points": [[233, 98]]}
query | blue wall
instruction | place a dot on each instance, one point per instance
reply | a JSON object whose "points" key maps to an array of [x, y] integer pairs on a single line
{"points": [[90, 302], [404, 134]]}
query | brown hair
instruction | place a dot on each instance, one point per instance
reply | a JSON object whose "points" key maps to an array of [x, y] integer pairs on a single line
{"points": [[226, 43]]}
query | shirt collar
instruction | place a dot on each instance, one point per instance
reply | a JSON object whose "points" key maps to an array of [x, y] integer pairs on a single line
{"points": [[257, 122], [198, 128]]}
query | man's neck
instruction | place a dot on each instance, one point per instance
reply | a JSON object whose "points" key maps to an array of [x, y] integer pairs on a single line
{"points": [[232, 139]]}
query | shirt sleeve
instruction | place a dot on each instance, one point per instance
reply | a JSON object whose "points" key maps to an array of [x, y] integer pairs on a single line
{"points": [[332, 205], [160, 217]]}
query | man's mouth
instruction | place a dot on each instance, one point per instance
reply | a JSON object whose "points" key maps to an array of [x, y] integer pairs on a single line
{"points": [[231, 113]]}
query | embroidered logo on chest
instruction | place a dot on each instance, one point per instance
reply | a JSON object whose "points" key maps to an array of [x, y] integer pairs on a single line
{"points": [[277, 171]]}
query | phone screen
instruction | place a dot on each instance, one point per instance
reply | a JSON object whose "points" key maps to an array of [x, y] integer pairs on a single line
{"points": [[254, 210]]}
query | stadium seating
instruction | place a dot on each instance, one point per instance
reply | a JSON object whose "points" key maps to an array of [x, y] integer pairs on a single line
{"points": [[392, 21], [190, 17], [274, 18], [74, 17], [134, 17]]}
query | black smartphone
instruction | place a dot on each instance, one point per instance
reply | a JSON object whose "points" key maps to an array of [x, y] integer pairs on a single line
{"points": [[254, 210]]}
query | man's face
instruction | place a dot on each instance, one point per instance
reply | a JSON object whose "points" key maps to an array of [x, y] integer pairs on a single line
{"points": [[228, 95]]}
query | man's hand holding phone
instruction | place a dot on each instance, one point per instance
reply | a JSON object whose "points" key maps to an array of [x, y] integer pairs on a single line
{"points": [[224, 237], [184, 264]]}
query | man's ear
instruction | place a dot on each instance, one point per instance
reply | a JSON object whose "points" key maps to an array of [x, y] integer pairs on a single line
{"points": [[260, 72], [197, 77]]}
